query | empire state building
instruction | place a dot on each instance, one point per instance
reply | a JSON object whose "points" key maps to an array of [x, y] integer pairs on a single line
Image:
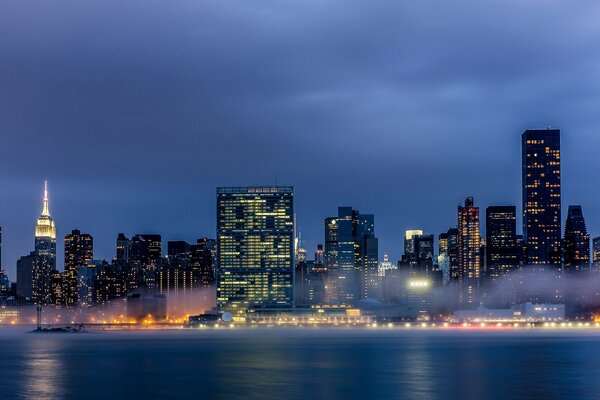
{"points": [[45, 249]]}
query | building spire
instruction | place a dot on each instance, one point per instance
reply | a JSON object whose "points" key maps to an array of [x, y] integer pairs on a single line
{"points": [[45, 207]]}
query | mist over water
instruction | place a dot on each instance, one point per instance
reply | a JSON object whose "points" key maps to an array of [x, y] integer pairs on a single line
{"points": [[300, 364]]}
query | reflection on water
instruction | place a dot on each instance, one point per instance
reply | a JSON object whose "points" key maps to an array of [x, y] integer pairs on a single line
{"points": [[300, 364], [41, 371]]}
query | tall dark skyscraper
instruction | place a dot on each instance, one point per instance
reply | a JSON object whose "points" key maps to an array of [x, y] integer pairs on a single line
{"points": [[45, 249], [370, 282], [469, 257], [203, 255], [255, 247], [25, 268], [347, 255], [596, 252], [453, 266], [577, 241], [145, 256], [541, 196], [351, 256], [503, 255], [123, 248], [79, 249]]}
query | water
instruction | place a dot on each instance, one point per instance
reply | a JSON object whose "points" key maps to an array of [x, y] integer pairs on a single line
{"points": [[300, 364]]}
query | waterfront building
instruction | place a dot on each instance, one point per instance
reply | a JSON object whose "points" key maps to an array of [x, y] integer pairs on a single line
{"points": [[310, 282], [255, 247], [386, 265], [4, 283], [79, 249], [25, 267], [319, 259], [443, 243], [424, 249], [469, 241], [452, 249], [410, 255], [502, 253], [576, 241], [203, 263], [145, 257], [351, 255], [123, 248], [541, 197], [86, 275], [596, 252], [523, 312], [45, 249]]}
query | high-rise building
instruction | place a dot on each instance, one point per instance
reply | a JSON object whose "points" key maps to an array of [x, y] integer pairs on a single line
{"points": [[255, 247], [453, 266], [469, 242], [410, 254], [123, 248], [145, 256], [370, 282], [596, 252], [3, 277], [25, 268], [348, 253], [443, 243], [45, 248], [319, 254], [351, 256], [577, 241], [79, 249], [203, 263], [502, 252], [541, 197], [424, 249]]}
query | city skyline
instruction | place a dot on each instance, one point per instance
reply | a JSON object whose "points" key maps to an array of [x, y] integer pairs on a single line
{"points": [[400, 251], [117, 131]]}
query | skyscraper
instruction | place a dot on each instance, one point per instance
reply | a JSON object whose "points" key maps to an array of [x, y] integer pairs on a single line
{"points": [[577, 241], [410, 254], [123, 248], [453, 254], [45, 249], [351, 256], [25, 268], [145, 255], [79, 249], [503, 255], [370, 282], [3, 277], [596, 252], [255, 247], [469, 242], [541, 196]]}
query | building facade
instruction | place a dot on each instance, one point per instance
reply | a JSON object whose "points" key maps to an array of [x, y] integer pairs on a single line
{"points": [[45, 249], [541, 197], [502, 252], [79, 249], [576, 241], [255, 247], [469, 256]]}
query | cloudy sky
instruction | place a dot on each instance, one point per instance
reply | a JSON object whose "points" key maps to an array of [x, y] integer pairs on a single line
{"points": [[135, 111]]}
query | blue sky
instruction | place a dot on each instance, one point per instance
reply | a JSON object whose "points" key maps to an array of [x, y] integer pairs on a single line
{"points": [[136, 111]]}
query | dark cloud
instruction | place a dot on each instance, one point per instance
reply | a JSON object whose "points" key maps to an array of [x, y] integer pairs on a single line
{"points": [[135, 111]]}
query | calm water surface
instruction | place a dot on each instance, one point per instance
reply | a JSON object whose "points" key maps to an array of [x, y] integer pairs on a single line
{"points": [[300, 364]]}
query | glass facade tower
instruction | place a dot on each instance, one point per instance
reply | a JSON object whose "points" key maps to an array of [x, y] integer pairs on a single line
{"points": [[255, 248], [541, 196]]}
